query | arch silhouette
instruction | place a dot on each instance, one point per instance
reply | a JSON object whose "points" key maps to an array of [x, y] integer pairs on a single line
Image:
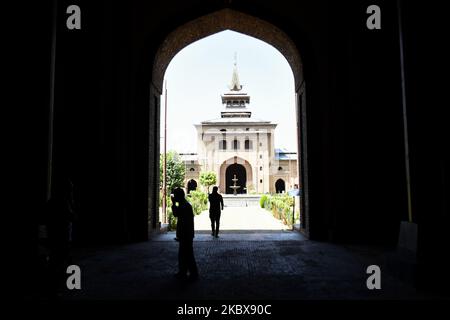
{"points": [[280, 186], [229, 19], [191, 185], [226, 164], [225, 19], [236, 170]]}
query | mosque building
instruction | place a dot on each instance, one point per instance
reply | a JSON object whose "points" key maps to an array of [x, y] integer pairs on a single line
{"points": [[240, 150]]}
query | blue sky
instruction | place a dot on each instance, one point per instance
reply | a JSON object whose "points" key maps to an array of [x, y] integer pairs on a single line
{"points": [[201, 72]]}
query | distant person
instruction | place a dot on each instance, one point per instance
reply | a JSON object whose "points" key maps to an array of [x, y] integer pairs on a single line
{"points": [[185, 234], [176, 234], [215, 205]]}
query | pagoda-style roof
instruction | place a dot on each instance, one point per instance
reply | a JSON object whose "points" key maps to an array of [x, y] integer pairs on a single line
{"points": [[236, 109], [235, 101]]}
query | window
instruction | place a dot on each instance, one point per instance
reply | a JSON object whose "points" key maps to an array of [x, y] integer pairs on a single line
{"points": [[223, 130], [260, 168], [280, 186], [260, 144], [247, 129], [223, 145], [191, 169], [260, 156], [248, 144], [260, 180], [280, 168], [235, 144]]}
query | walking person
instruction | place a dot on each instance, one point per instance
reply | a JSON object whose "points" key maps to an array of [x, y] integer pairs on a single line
{"points": [[185, 234], [215, 207]]}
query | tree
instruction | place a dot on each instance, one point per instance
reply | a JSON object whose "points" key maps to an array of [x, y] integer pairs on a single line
{"points": [[175, 171], [208, 178]]}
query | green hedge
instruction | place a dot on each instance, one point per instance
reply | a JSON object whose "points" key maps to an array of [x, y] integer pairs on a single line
{"points": [[170, 217], [280, 205], [198, 201], [263, 200]]}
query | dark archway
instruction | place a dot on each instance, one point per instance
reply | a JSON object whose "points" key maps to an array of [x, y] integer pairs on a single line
{"points": [[226, 19], [280, 186], [241, 175], [203, 26], [191, 185]]}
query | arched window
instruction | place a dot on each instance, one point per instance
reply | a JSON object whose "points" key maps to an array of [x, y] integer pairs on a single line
{"points": [[191, 186], [191, 169], [248, 144], [280, 186], [223, 145], [235, 144]]}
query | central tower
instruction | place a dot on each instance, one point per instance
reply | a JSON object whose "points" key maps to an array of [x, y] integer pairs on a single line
{"points": [[237, 144], [234, 100]]}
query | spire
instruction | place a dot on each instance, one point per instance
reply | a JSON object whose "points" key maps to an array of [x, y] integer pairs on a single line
{"points": [[235, 85]]}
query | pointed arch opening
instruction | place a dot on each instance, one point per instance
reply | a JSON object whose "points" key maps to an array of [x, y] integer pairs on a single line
{"points": [[229, 19]]}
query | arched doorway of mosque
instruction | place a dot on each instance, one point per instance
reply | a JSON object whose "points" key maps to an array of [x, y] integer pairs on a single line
{"points": [[236, 176]]}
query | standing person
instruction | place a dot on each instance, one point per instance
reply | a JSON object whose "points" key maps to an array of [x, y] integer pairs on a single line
{"points": [[185, 234], [215, 205]]}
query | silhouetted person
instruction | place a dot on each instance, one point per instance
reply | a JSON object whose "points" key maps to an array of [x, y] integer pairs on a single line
{"points": [[176, 234], [185, 234], [60, 210], [215, 205]]}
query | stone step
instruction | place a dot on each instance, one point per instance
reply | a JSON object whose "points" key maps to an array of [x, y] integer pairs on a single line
{"points": [[241, 200]]}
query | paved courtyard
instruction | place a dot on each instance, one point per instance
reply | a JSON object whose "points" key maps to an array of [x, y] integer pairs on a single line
{"points": [[245, 265], [241, 218]]}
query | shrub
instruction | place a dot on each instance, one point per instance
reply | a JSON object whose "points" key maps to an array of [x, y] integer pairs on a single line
{"points": [[175, 171], [172, 220], [198, 201], [262, 200], [208, 178], [280, 205]]}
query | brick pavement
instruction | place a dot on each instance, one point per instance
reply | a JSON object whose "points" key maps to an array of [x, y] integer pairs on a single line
{"points": [[247, 265]]}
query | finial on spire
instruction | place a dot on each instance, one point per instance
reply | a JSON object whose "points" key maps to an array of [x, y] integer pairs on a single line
{"points": [[235, 85]]}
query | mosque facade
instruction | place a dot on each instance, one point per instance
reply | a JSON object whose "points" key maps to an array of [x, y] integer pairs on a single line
{"points": [[240, 150]]}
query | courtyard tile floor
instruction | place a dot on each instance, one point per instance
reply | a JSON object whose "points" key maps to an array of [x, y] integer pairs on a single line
{"points": [[263, 261], [241, 218]]}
